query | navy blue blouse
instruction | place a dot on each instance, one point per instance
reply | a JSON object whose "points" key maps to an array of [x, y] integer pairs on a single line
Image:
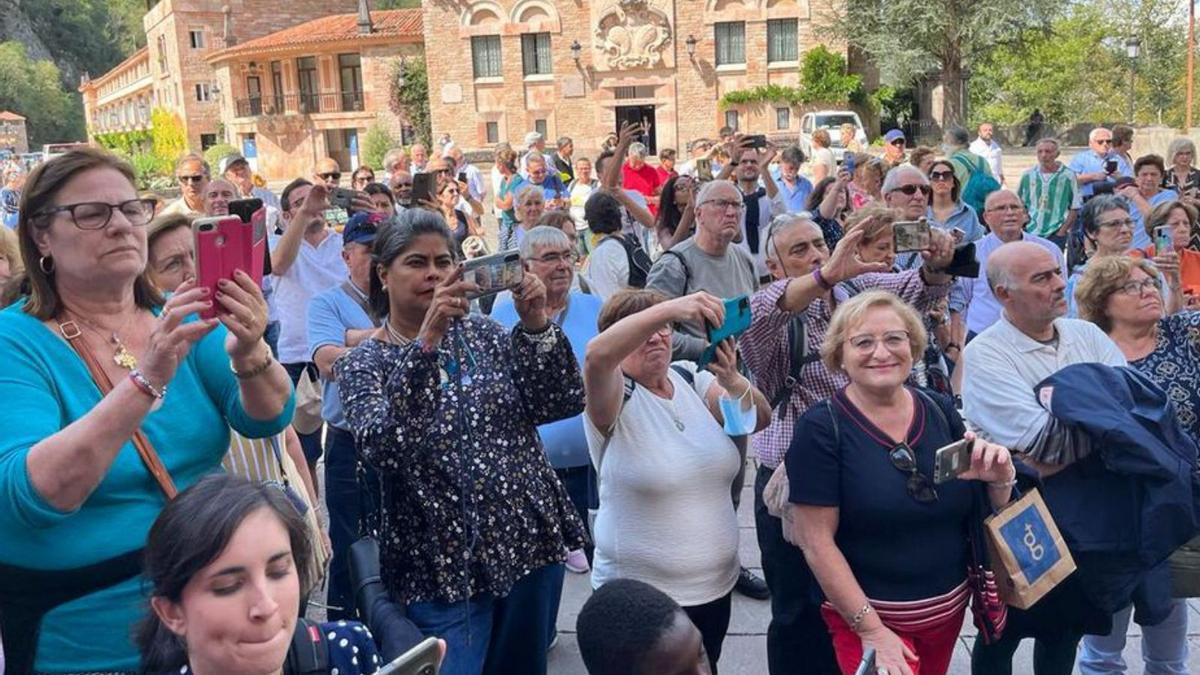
{"points": [[899, 549], [1174, 365]]}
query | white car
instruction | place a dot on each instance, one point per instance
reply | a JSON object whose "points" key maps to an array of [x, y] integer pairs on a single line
{"points": [[831, 121]]}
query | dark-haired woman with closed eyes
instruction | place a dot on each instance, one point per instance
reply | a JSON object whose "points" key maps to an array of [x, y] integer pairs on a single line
{"points": [[445, 406]]}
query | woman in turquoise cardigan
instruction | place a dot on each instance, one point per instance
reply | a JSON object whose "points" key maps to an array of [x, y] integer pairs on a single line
{"points": [[78, 495]]}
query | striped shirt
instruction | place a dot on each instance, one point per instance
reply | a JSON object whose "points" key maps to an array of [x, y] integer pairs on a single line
{"points": [[253, 458], [1048, 198]]}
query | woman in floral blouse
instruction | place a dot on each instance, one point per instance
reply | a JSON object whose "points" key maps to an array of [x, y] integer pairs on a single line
{"points": [[446, 405]]}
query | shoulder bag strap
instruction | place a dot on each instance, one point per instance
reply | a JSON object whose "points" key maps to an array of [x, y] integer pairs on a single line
{"points": [[349, 289], [626, 394], [799, 356], [74, 337], [929, 402], [687, 271]]}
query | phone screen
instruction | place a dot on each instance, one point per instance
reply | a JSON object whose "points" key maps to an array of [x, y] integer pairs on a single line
{"points": [[425, 187], [494, 273]]}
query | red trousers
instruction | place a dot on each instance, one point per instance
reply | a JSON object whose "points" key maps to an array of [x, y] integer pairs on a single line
{"points": [[933, 646]]}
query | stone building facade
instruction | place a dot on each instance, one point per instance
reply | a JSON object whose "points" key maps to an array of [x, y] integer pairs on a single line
{"points": [[121, 99], [315, 89], [13, 135], [501, 68]]}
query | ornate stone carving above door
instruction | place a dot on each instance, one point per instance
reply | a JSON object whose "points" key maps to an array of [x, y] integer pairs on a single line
{"points": [[633, 34]]}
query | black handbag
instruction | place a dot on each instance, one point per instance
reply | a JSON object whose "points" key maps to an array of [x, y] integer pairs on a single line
{"points": [[366, 579]]}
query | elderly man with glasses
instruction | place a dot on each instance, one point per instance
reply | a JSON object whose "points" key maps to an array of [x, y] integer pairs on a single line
{"points": [[761, 198], [1097, 164], [193, 174]]}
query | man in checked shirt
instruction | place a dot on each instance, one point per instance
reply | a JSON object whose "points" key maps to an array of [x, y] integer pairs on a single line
{"points": [[807, 287]]}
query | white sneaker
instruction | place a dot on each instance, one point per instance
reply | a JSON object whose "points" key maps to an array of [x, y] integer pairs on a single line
{"points": [[577, 562]]}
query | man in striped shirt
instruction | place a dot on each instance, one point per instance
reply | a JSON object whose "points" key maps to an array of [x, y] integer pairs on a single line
{"points": [[1051, 195]]}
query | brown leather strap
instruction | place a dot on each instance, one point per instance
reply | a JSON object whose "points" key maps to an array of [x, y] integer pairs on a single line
{"points": [[70, 331]]}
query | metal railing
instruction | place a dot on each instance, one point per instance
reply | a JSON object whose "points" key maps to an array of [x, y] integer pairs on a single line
{"points": [[300, 104]]}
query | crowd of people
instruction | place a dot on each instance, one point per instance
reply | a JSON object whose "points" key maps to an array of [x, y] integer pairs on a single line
{"points": [[165, 437]]}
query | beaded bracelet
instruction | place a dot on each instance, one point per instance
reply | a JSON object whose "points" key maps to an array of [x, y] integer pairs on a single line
{"points": [[255, 371], [139, 380]]}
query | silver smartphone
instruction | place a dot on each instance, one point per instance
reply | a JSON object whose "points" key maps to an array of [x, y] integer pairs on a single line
{"points": [[950, 461], [494, 273], [424, 659], [911, 235]]}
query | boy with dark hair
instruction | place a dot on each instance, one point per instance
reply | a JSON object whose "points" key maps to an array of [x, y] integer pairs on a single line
{"points": [[629, 627]]}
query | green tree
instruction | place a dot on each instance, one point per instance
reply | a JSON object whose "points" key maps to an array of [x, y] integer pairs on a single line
{"points": [[34, 89], [410, 95], [376, 144], [910, 39], [169, 139], [214, 154], [823, 78]]}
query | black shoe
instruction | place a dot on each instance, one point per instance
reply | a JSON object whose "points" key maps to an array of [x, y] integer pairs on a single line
{"points": [[751, 586]]}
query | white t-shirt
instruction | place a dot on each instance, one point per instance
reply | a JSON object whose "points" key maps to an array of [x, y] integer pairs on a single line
{"points": [[825, 156], [607, 269], [665, 516], [316, 269]]}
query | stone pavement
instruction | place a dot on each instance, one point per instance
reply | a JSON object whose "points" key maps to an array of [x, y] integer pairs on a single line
{"points": [[745, 648]]}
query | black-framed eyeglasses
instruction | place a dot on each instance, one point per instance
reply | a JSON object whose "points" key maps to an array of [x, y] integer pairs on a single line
{"points": [[332, 175], [900, 142], [364, 178], [941, 175], [919, 486], [96, 215], [197, 178]]}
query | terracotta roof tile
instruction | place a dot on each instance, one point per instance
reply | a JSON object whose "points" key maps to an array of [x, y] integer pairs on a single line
{"points": [[337, 28], [10, 116]]}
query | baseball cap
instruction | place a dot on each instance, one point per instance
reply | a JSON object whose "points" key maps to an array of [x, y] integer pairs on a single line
{"points": [[362, 227], [229, 161], [893, 135]]}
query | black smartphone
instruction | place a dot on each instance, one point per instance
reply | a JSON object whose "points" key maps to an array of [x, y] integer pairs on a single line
{"points": [[425, 188], [755, 141], [245, 208], [964, 263], [341, 198], [1110, 167], [251, 211], [462, 176]]}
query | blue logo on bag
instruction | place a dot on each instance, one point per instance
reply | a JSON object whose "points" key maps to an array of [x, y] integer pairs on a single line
{"points": [[1030, 542]]}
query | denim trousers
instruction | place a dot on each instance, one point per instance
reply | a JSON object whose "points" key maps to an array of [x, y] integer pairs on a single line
{"points": [[487, 635], [1164, 645], [347, 504]]}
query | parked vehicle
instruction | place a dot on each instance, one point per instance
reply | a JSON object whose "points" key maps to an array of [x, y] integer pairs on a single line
{"points": [[52, 150], [831, 121]]}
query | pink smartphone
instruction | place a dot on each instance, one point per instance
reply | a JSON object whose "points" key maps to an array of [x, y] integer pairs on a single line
{"points": [[224, 245]]}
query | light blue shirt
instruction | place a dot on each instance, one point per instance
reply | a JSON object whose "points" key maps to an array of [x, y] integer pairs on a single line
{"points": [[964, 218], [330, 315], [1088, 161], [795, 199], [564, 440], [1141, 239], [983, 309], [45, 387]]}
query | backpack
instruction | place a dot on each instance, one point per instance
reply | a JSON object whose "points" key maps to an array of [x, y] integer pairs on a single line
{"points": [[639, 260], [979, 185], [308, 653]]}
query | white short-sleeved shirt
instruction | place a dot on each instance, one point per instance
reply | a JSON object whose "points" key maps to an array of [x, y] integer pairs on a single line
{"points": [[316, 269], [1002, 365], [608, 269], [665, 516]]}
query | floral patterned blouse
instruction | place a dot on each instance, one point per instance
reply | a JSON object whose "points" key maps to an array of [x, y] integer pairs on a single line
{"points": [[470, 502], [1174, 365]]}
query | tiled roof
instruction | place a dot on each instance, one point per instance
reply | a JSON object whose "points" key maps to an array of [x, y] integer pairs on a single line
{"points": [[10, 116], [396, 23]]}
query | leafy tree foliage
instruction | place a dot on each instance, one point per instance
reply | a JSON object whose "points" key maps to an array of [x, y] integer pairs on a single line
{"points": [[34, 89]]}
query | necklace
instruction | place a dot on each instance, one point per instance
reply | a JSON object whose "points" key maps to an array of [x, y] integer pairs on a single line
{"points": [[395, 336], [121, 354], [669, 402]]}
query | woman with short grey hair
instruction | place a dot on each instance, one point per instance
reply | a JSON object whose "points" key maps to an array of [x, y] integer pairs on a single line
{"points": [[1182, 174]]}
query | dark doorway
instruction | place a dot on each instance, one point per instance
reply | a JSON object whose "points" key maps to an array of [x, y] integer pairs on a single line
{"points": [[635, 114]]}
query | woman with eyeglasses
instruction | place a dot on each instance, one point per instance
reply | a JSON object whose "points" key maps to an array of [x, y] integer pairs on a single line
{"points": [[462, 225], [946, 210], [885, 543], [362, 177], [1182, 174], [1144, 194], [445, 405], [114, 399], [659, 437], [1108, 231], [529, 205], [1123, 296]]}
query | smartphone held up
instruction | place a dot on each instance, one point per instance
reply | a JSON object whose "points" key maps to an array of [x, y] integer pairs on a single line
{"points": [[228, 244]]}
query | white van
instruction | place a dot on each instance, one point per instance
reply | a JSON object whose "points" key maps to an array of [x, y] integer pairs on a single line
{"points": [[831, 121]]}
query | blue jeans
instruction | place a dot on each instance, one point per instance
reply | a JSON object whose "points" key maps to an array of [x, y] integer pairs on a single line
{"points": [[272, 338], [309, 443], [347, 504], [495, 636], [1164, 646]]}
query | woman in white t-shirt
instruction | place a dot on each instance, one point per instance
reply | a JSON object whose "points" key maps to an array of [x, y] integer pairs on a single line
{"points": [[659, 439]]}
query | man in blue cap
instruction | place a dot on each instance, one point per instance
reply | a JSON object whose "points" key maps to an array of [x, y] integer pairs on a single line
{"points": [[894, 144], [338, 319]]}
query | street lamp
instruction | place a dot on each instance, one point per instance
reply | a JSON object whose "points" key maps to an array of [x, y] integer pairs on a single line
{"points": [[1133, 47], [691, 43], [576, 51]]}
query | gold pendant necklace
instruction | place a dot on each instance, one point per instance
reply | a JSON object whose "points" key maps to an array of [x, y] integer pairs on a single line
{"points": [[122, 356]]}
